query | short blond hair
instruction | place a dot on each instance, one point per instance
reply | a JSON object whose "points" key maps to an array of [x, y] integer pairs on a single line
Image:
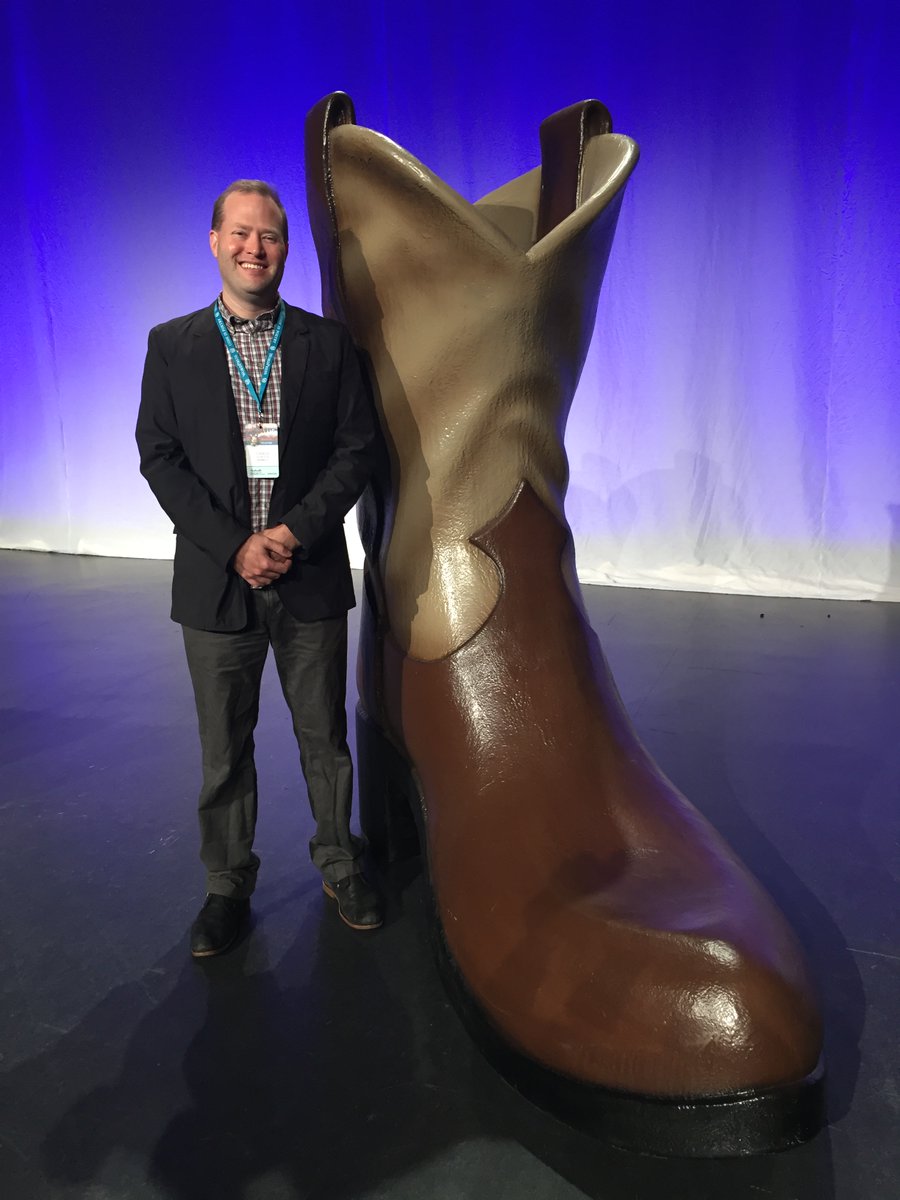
{"points": [[261, 188]]}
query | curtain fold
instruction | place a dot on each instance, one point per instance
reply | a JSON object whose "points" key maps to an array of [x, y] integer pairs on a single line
{"points": [[736, 427]]}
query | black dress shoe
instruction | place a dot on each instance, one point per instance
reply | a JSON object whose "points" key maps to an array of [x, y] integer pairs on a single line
{"points": [[359, 904], [217, 925]]}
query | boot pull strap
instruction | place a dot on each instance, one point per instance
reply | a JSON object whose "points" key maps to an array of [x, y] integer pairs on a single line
{"points": [[564, 136], [331, 111]]}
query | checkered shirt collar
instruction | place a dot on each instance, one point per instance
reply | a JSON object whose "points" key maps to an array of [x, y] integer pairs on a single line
{"points": [[265, 320]]}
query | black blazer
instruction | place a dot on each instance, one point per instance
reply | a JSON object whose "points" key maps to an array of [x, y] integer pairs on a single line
{"points": [[192, 456]]}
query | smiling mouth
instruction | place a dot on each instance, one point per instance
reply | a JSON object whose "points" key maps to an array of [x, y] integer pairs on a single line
{"points": [[247, 266]]}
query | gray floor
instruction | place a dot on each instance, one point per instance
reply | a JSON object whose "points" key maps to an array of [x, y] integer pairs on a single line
{"points": [[314, 1063]]}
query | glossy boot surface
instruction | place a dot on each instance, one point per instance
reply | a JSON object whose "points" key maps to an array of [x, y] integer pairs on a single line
{"points": [[602, 941]]}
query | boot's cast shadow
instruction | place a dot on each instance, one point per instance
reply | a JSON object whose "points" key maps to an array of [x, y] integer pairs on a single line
{"points": [[333, 1071]]}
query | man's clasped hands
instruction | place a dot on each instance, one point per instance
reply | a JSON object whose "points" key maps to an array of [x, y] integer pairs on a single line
{"points": [[265, 556]]}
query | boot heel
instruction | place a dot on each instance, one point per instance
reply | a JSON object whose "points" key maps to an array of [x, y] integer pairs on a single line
{"points": [[387, 795]]}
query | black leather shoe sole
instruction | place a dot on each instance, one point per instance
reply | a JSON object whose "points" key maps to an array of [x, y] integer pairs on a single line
{"points": [[214, 950]]}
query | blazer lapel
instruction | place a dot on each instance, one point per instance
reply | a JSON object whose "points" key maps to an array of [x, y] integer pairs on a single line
{"points": [[294, 356], [215, 392]]}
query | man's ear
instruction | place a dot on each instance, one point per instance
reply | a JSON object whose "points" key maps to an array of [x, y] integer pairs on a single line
{"points": [[214, 242]]}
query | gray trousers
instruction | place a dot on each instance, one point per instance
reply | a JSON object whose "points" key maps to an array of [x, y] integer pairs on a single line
{"points": [[226, 670]]}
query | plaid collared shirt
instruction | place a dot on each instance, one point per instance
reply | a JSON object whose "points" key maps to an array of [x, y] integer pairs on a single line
{"points": [[251, 339]]}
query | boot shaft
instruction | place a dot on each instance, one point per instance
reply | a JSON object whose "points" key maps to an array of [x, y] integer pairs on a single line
{"points": [[475, 320]]}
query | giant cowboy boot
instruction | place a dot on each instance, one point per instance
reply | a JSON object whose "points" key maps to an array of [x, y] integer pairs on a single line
{"points": [[609, 950]]}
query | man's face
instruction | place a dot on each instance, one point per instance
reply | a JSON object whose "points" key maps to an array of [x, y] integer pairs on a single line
{"points": [[250, 249]]}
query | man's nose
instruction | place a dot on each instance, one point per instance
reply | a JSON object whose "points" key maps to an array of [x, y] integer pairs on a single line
{"points": [[255, 245]]}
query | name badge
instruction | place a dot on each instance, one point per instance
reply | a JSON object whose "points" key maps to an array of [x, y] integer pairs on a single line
{"points": [[261, 451]]}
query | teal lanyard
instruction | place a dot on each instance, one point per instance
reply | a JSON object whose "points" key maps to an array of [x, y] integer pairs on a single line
{"points": [[239, 362]]}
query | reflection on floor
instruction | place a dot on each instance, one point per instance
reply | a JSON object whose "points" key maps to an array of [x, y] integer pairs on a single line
{"points": [[312, 1062]]}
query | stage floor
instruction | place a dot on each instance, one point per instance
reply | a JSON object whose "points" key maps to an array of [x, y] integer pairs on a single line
{"points": [[315, 1062]]}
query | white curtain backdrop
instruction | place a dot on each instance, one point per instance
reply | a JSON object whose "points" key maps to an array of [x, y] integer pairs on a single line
{"points": [[737, 426]]}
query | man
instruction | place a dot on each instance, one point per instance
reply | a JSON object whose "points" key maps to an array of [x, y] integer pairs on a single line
{"points": [[257, 436]]}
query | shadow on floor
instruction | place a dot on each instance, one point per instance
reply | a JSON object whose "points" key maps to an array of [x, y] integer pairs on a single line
{"points": [[338, 1071]]}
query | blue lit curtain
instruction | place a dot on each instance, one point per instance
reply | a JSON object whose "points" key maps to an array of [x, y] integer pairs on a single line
{"points": [[737, 425]]}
